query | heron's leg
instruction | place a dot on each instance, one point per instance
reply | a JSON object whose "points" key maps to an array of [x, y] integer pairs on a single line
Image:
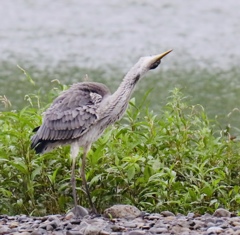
{"points": [[84, 181], [74, 154]]}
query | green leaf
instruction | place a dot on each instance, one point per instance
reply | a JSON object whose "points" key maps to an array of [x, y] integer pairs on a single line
{"points": [[130, 172]]}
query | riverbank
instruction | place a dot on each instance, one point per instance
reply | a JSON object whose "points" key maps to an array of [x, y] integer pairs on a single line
{"points": [[136, 223]]}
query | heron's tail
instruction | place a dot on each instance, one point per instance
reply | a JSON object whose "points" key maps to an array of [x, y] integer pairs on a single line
{"points": [[40, 145]]}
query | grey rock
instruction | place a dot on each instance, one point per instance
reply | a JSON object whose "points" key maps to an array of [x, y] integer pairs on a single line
{"points": [[117, 233], [229, 231], [37, 232], [54, 223], [214, 230], [69, 226], [49, 227], [43, 225], [179, 229], [83, 225], [23, 233], [14, 230], [154, 216], [37, 221], [224, 225], [23, 228], [169, 219], [141, 223], [92, 230], [122, 211], [104, 233], [13, 224], [58, 233], [158, 230], [222, 213], [4, 229], [179, 216], [206, 215], [130, 225], [53, 217], [93, 227], [190, 215], [145, 226], [161, 224], [210, 220], [235, 223], [76, 221], [196, 224], [210, 224], [70, 215], [35, 226], [117, 228], [137, 232], [183, 223], [237, 230], [73, 232]]}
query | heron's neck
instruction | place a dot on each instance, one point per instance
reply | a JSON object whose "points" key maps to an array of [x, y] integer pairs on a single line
{"points": [[127, 86]]}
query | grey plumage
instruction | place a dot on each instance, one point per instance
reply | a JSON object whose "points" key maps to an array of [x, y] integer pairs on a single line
{"points": [[71, 114], [80, 115]]}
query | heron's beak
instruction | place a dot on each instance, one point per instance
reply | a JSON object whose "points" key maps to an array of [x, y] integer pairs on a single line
{"points": [[156, 60], [159, 57]]}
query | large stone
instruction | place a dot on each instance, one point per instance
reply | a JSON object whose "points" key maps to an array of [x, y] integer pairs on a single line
{"points": [[122, 211], [222, 213]]}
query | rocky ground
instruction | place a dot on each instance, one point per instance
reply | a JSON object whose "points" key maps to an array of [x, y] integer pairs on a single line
{"points": [[122, 220]]}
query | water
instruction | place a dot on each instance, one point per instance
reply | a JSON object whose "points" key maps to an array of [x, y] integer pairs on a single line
{"points": [[97, 33], [66, 39]]}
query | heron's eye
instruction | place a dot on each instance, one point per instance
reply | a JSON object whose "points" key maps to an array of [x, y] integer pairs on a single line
{"points": [[155, 64]]}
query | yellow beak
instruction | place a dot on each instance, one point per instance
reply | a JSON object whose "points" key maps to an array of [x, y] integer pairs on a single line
{"points": [[159, 57]]}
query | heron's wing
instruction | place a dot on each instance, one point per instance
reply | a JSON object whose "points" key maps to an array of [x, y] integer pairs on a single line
{"points": [[73, 112]]}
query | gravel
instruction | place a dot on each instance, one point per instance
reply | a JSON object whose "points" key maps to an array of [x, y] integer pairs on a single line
{"points": [[118, 222]]}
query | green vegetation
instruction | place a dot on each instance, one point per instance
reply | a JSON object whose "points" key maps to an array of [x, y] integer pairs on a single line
{"points": [[216, 88], [175, 159]]}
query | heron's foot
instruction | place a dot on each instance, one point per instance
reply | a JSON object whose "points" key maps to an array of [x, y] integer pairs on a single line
{"points": [[77, 212], [94, 212]]}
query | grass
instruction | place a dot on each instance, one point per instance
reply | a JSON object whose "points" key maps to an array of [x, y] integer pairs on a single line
{"points": [[173, 159]]}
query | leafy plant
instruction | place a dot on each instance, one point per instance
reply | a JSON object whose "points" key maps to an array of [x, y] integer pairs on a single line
{"points": [[175, 160]]}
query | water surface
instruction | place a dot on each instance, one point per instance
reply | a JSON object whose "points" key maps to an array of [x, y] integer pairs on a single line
{"points": [[66, 39]]}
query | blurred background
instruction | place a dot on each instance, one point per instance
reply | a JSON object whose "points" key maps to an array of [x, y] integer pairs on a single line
{"points": [[67, 39]]}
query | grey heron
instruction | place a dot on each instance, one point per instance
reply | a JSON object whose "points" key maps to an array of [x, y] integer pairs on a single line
{"points": [[79, 116]]}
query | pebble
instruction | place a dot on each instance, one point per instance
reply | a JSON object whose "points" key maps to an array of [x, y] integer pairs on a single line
{"points": [[167, 213], [129, 221], [136, 232], [214, 230], [154, 216], [158, 230]]}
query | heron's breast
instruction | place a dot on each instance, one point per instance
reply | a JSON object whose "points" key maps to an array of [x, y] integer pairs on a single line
{"points": [[92, 134]]}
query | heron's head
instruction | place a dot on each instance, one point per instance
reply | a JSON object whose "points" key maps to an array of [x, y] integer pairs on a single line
{"points": [[149, 62]]}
